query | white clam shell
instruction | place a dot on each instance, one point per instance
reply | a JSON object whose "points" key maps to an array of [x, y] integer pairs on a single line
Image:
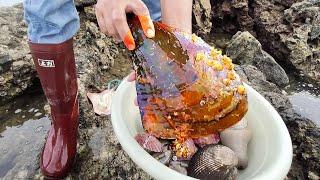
{"points": [[237, 139]]}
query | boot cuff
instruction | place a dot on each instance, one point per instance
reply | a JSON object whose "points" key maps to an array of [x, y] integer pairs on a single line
{"points": [[56, 48]]}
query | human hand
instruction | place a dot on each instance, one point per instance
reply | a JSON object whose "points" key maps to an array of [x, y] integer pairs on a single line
{"points": [[111, 16]]}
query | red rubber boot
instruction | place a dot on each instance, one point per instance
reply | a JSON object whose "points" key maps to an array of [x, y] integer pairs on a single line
{"points": [[56, 68]]}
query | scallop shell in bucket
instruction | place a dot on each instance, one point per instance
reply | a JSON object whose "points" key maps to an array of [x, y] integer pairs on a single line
{"points": [[185, 88], [269, 151], [213, 162], [149, 142]]}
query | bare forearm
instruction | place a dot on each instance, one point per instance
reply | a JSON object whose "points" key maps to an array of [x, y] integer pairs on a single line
{"points": [[177, 13]]}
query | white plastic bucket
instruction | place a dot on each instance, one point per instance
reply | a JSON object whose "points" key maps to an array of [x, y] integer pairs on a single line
{"points": [[270, 150]]}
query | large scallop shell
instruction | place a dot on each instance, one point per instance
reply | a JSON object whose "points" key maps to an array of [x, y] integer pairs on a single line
{"points": [[183, 82], [213, 162]]}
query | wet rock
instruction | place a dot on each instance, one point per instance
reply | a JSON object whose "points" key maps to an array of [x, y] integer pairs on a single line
{"points": [[84, 3], [232, 16], [258, 80], [241, 73], [246, 49], [290, 32], [279, 101], [16, 68], [304, 18], [202, 15]]}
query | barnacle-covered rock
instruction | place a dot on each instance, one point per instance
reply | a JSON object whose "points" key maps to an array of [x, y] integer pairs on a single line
{"points": [[185, 88], [17, 71], [246, 49], [213, 162]]}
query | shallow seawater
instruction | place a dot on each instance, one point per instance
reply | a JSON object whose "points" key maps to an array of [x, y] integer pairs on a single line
{"points": [[23, 128], [304, 96]]}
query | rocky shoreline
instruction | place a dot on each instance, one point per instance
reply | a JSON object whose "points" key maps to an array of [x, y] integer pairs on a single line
{"points": [[274, 34]]}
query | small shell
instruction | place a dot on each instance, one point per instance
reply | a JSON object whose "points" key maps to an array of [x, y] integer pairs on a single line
{"points": [[179, 167], [206, 140], [101, 102], [213, 162], [149, 142], [163, 157]]}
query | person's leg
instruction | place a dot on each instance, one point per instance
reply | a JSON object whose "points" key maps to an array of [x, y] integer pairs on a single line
{"points": [[51, 26], [51, 22], [154, 7]]}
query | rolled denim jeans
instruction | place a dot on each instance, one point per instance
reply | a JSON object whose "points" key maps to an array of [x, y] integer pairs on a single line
{"points": [[55, 21]]}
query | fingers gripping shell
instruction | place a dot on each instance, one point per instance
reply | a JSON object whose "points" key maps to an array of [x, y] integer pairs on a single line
{"points": [[213, 162]]}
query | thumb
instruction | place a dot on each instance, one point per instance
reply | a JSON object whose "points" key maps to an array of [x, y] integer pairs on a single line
{"points": [[141, 10]]}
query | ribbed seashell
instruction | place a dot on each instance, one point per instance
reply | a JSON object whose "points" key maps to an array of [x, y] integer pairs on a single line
{"points": [[149, 142], [207, 140], [213, 162]]}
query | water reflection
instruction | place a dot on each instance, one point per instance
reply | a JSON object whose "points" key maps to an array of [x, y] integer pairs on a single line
{"points": [[307, 105], [20, 146], [304, 96], [22, 135]]}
